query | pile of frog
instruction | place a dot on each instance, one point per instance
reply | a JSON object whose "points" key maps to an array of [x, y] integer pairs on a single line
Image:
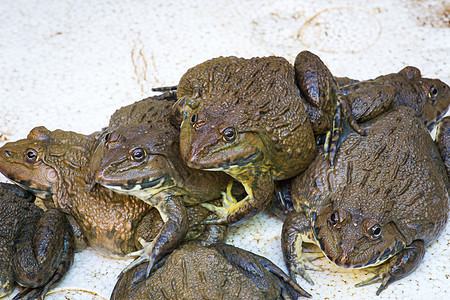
{"points": [[350, 166]]}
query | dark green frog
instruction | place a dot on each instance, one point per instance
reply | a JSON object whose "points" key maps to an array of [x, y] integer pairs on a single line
{"points": [[36, 247]]}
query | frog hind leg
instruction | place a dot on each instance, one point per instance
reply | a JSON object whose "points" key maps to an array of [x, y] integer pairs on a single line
{"points": [[296, 226], [53, 235], [399, 266], [259, 196], [255, 268], [173, 213]]}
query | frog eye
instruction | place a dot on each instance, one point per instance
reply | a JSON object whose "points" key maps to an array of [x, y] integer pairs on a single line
{"points": [[229, 134], [138, 154], [433, 92], [193, 118], [375, 231], [107, 136], [31, 155], [334, 218]]}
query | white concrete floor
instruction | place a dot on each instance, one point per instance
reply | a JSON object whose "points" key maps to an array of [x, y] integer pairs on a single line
{"points": [[70, 66]]}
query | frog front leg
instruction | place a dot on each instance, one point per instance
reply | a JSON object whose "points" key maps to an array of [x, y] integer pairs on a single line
{"points": [[43, 256], [173, 212], [259, 186], [296, 230], [399, 266]]}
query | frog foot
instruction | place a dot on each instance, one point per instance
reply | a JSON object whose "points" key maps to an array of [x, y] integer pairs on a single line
{"points": [[303, 263], [144, 255], [344, 124], [228, 201], [399, 266]]}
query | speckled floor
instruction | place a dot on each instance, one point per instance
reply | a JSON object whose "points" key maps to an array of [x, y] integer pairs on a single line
{"points": [[69, 66]]}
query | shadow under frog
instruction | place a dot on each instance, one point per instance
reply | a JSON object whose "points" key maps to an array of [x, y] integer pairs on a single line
{"points": [[54, 165], [383, 203], [36, 247]]}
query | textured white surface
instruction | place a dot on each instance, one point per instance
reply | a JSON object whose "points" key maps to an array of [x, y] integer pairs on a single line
{"points": [[69, 66]]}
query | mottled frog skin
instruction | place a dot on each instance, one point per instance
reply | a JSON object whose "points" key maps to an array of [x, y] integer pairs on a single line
{"points": [[217, 271], [144, 160], [443, 141], [245, 117], [430, 98], [385, 200], [36, 247], [54, 165]]}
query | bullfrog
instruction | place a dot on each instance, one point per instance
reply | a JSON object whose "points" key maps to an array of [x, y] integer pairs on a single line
{"points": [[385, 200], [215, 271], [144, 160], [247, 118], [36, 247], [430, 98], [54, 165]]}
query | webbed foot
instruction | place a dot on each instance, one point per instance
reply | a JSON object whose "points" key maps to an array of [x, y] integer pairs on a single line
{"points": [[344, 124], [303, 263], [236, 212], [399, 266], [146, 254]]}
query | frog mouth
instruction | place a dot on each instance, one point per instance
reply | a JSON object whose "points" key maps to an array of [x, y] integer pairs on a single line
{"points": [[137, 185], [228, 164]]}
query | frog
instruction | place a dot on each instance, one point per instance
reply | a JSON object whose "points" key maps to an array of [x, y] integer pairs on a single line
{"points": [[36, 246], [430, 98], [142, 159], [54, 166], [214, 271], [383, 203], [443, 141], [247, 118]]}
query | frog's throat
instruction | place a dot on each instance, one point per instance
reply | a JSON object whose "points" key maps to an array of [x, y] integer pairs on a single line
{"points": [[29, 186]]}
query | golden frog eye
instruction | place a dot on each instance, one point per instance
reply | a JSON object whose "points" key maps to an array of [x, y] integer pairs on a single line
{"points": [[138, 154], [433, 92], [334, 218], [31, 155], [375, 231], [229, 134]]}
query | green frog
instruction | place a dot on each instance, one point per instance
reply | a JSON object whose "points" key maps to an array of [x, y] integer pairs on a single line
{"points": [[385, 200], [54, 165], [36, 247], [144, 160], [215, 271]]}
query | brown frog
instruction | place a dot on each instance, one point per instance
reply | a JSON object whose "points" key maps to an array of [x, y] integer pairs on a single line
{"points": [[385, 200], [246, 117], [54, 165], [430, 98], [216, 271], [144, 160], [443, 141], [36, 247]]}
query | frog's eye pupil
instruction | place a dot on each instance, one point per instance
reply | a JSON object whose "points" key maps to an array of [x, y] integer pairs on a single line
{"points": [[334, 218], [375, 231], [193, 118], [229, 134], [31, 155], [138, 154], [433, 91]]}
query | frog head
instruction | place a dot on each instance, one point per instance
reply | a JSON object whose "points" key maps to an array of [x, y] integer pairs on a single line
{"points": [[434, 96], [134, 158], [353, 239], [25, 163], [243, 114]]}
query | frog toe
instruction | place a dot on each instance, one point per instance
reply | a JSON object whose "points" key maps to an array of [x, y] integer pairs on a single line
{"points": [[304, 263], [221, 212]]}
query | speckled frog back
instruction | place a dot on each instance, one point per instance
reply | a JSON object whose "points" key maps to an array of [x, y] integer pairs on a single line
{"points": [[254, 95], [394, 174]]}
